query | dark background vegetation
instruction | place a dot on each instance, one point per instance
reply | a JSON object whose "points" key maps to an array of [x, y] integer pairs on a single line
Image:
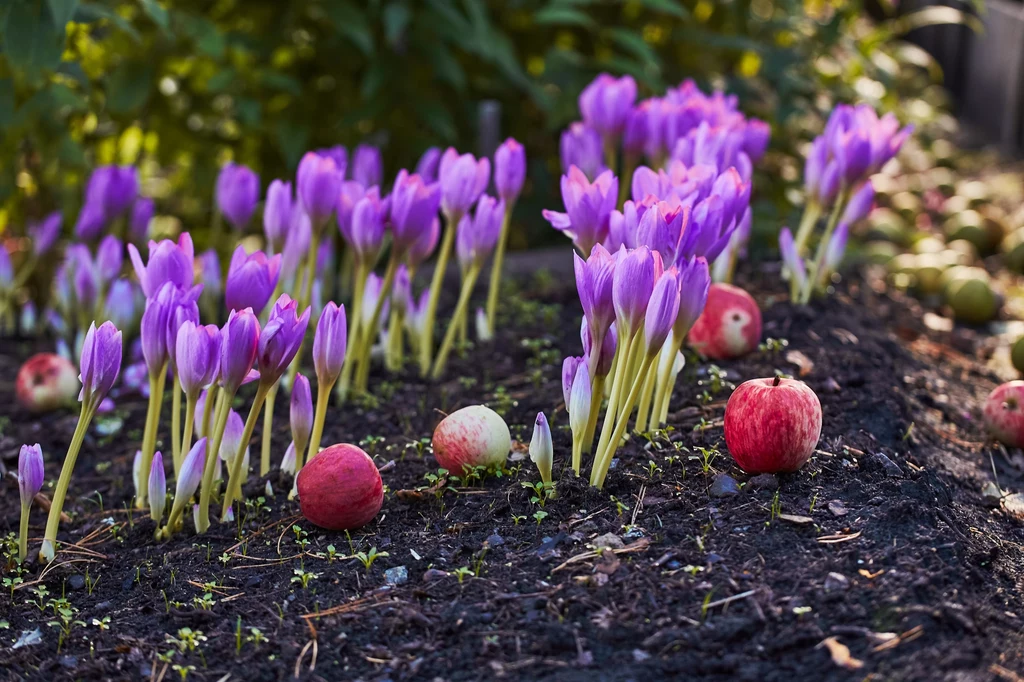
{"points": [[180, 86]]}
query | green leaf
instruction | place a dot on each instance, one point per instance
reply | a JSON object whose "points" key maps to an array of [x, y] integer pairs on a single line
{"points": [[156, 12], [70, 152], [62, 11], [447, 67], [564, 16], [88, 13], [6, 102], [667, 7], [352, 23], [222, 80], [129, 86], [31, 40], [632, 42], [396, 19], [207, 37], [281, 81]]}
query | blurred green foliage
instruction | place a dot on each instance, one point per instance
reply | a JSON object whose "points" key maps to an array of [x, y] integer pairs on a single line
{"points": [[179, 86]]}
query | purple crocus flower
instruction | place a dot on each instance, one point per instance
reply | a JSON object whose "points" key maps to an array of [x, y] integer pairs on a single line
{"points": [[401, 290], [44, 233], [84, 277], [120, 304], [860, 204], [30, 473], [478, 235], [632, 285], [413, 209], [509, 170], [168, 262], [791, 259], [301, 410], [662, 310], [281, 338], [330, 343], [6, 269], [836, 248], [109, 257], [756, 137], [191, 473], [605, 354], [238, 190], [121, 189], [371, 292], [367, 165], [100, 362], [594, 278], [351, 193], [197, 353], [580, 397], [426, 167], [319, 181], [694, 282], [635, 131], [277, 214], [251, 280], [569, 367], [588, 207], [338, 154], [463, 179], [424, 244], [142, 213], [661, 228], [296, 246], [160, 322], [184, 309], [209, 273], [580, 146], [91, 221], [157, 487], [239, 342], [606, 103], [365, 233]]}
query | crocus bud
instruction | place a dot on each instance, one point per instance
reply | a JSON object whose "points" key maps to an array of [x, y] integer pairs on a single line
{"points": [[814, 167], [367, 165], [191, 473], [164, 314], [542, 452], [606, 354], [109, 256], [231, 442], [288, 461], [661, 311], [100, 362], [251, 280], [329, 344], [509, 170], [277, 214], [477, 236], [184, 310], [121, 188], [371, 292], [606, 103], [483, 328], [694, 283], [238, 190], [44, 233], [239, 341], [319, 181], [580, 146], [91, 221], [828, 187], [579, 401], [281, 338], [634, 132], [791, 259], [30, 473], [588, 207], [301, 410], [168, 262], [157, 487], [569, 367], [836, 248], [350, 194], [142, 213], [860, 204], [197, 353], [137, 474], [413, 209], [401, 290], [365, 233], [423, 246], [632, 286], [296, 246], [463, 179], [209, 273], [339, 155], [426, 167]]}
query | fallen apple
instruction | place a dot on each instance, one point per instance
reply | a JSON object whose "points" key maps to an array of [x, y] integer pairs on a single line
{"points": [[1004, 413], [46, 382], [730, 325], [340, 488], [772, 425], [471, 437]]}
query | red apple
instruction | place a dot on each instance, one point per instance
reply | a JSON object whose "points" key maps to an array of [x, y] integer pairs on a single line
{"points": [[730, 325], [340, 488], [1004, 413], [772, 425], [46, 382], [471, 437]]}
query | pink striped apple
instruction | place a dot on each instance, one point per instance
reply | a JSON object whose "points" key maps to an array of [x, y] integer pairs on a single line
{"points": [[340, 488], [1004, 413], [772, 425], [47, 381], [730, 325], [471, 437]]}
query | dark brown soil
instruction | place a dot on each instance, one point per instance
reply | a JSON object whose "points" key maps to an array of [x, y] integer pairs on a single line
{"points": [[901, 560]]}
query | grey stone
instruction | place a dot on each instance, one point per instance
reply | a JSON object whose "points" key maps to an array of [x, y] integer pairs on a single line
{"points": [[69, 662], [608, 540], [76, 582], [836, 582], [764, 482], [433, 574], [399, 575], [724, 486], [837, 508], [890, 467], [495, 540]]}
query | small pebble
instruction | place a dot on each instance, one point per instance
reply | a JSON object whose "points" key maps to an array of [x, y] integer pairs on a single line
{"points": [[253, 581], [835, 582], [399, 575], [608, 540], [639, 655], [991, 496], [890, 467], [495, 540], [433, 574], [724, 486], [76, 582], [764, 482], [69, 662], [837, 508]]}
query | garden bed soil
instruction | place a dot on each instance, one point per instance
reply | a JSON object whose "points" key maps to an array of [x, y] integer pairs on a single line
{"points": [[881, 559]]}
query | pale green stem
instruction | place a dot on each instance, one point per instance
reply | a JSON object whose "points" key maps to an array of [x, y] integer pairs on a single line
{"points": [[368, 336], [236, 475], [496, 266], [186, 433], [604, 458], [812, 211], [665, 386], [460, 311], [443, 254], [646, 397], [304, 300], [176, 454], [354, 314], [212, 398], [156, 401], [814, 271], [268, 426], [23, 533], [46, 552], [596, 398], [394, 356], [323, 395], [212, 461], [621, 367]]}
